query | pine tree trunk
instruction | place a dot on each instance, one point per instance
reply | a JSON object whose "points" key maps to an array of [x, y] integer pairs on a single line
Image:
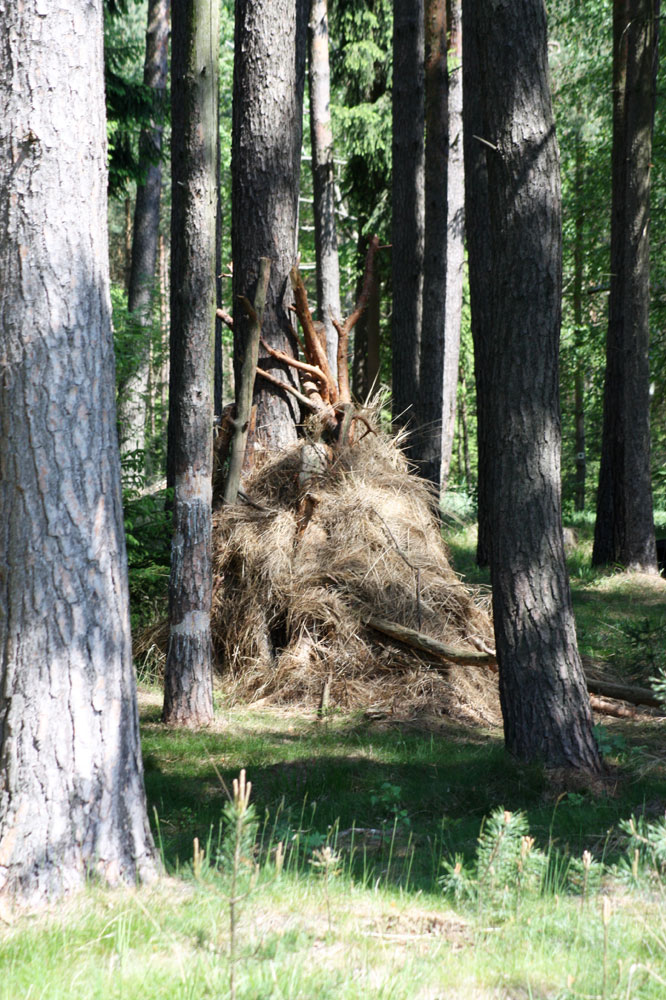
{"points": [[477, 214], [427, 449], [132, 399], [624, 531], [455, 250], [408, 204], [269, 70], [188, 688], [323, 178], [72, 801], [544, 700], [579, 375]]}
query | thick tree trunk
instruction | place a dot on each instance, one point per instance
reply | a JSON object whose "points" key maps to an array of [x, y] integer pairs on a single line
{"points": [[624, 531], [323, 179], [269, 72], [477, 214], [408, 204], [455, 250], [427, 449], [72, 802], [188, 690], [133, 397], [545, 705]]}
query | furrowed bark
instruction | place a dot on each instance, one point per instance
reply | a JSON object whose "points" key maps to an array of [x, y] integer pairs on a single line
{"points": [[544, 701], [269, 73], [72, 802]]}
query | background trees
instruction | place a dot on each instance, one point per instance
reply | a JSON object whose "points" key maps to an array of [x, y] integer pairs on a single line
{"points": [[624, 527], [188, 693], [71, 788]]}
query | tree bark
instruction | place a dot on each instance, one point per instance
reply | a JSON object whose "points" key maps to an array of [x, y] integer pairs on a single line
{"points": [[269, 73], [477, 214], [624, 530], [72, 800], [545, 705], [427, 448], [323, 179], [408, 204], [188, 685], [455, 250], [132, 399], [579, 373]]}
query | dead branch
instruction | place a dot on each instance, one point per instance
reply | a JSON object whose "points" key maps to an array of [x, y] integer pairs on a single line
{"points": [[623, 692], [344, 329], [244, 396], [303, 400], [431, 647], [225, 317], [294, 362], [315, 351], [617, 709]]}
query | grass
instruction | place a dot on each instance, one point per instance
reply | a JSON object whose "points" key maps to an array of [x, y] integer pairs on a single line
{"points": [[366, 812]]}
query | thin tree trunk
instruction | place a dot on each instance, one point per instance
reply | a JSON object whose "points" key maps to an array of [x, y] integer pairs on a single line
{"points": [[464, 434], [164, 324], [269, 71], [624, 531], [455, 251], [477, 214], [427, 449], [132, 401], [128, 241], [323, 179], [544, 700], [72, 802], [408, 204], [218, 390], [188, 686], [579, 375]]}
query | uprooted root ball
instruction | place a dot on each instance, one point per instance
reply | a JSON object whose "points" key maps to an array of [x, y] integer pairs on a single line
{"points": [[332, 540]]}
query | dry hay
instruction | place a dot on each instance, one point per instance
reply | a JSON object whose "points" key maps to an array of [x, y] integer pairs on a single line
{"points": [[340, 537]]}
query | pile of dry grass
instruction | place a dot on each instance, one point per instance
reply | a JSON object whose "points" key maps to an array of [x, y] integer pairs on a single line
{"points": [[331, 540]]}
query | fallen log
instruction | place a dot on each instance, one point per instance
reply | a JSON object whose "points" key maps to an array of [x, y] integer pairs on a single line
{"points": [[623, 692], [618, 709], [431, 647]]}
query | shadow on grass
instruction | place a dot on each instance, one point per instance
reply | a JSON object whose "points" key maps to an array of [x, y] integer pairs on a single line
{"points": [[412, 796]]}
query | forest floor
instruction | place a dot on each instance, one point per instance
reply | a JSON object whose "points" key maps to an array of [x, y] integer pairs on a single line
{"points": [[390, 857]]}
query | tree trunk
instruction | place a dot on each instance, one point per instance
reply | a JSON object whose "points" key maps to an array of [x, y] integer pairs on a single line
{"points": [[455, 250], [218, 364], [323, 179], [72, 801], [269, 70], [145, 234], [624, 531], [188, 687], [579, 374], [477, 214], [427, 449], [545, 705], [408, 204], [366, 359]]}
